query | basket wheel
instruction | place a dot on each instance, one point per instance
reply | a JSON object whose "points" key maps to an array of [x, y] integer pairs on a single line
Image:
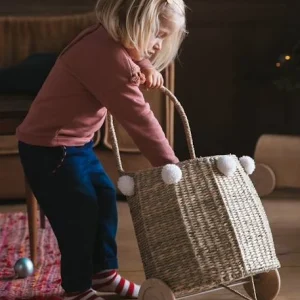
{"points": [[155, 289], [267, 285], [263, 179]]}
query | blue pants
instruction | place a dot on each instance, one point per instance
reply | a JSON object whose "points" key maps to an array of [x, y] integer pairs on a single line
{"points": [[79, 201]]}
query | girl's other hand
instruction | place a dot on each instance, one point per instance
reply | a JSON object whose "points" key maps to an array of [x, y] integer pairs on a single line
{"points": [[154, 79]]}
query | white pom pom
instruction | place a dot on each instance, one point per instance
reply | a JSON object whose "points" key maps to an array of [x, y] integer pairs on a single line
{"points": [[126, 185], [248, 164], [171, 174], [226, 164]]}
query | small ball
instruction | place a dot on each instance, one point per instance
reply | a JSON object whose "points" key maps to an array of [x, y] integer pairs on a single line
{"points": [[226, 165], [126, 185], [248, 164], [23, 267], [171, 174]]}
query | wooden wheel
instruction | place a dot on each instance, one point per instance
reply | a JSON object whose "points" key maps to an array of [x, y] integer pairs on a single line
{"points": [[267, 286], [263, 179], [155, 289]]}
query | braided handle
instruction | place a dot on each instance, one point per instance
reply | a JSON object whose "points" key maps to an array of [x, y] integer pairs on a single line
{"points": [[184, 120]]}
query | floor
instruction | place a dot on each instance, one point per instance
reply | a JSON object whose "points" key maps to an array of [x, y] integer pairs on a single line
{"points": [[283, 210]]}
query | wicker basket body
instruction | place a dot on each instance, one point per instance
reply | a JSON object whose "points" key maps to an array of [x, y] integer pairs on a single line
{"points": [[205, 231]]}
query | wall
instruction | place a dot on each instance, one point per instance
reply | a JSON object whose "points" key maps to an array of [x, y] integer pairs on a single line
{"points": [[222, 79]]}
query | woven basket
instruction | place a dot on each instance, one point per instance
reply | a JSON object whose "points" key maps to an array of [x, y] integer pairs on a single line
{"points": [[205, 231]]}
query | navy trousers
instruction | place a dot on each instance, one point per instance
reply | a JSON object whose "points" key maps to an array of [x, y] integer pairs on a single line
{"points": [[79, 201]]}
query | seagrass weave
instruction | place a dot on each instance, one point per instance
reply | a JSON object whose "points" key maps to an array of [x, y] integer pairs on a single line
{"points": [[206, 230]]}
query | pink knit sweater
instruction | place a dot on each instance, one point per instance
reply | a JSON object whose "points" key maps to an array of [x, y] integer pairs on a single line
{"points": [[94, 74]]}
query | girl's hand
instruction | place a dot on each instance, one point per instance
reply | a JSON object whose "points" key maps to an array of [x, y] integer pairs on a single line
{"points": [[153, 78]]}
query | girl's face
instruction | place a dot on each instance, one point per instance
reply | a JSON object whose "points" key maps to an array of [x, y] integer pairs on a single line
{"points": [[155, 42]]}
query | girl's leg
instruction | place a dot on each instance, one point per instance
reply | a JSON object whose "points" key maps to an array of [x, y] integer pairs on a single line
{"points": [[59, 178], [105, 249], [105, 278]]}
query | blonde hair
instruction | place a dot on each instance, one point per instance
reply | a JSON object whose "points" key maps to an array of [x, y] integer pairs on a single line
{"points": [[133, 23]]}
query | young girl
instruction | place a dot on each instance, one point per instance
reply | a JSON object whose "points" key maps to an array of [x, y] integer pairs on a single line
{"points": [[98, 71]]}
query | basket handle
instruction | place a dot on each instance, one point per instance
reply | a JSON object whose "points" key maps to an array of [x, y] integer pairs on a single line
{"points": [[184, 120]]}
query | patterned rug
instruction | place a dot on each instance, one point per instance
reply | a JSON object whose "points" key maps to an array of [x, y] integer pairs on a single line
{"points": [[14, 244]]}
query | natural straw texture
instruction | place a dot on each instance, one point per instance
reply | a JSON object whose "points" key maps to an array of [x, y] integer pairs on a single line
{"points": [[206, 231]]}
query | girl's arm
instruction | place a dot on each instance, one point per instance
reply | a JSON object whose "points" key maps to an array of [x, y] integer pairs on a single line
{"points": [[153, 78], [113, 79], [126, 103], [144, 64]]}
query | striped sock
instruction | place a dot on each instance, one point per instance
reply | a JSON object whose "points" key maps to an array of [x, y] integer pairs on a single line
{"points": [[111, 281], [87, 295]]}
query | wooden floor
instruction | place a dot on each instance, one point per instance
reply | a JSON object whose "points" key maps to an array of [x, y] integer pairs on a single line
{"points": [[283, 210]]}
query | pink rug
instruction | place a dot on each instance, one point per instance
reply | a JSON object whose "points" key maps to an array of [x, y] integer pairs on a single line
{"points": [[14, 244]]}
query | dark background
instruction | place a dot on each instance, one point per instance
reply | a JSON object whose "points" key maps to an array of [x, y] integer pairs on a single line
{"points": [[224, 80]]}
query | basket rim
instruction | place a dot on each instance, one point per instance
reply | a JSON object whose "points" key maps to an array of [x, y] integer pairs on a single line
{"points": [[180, 163]]}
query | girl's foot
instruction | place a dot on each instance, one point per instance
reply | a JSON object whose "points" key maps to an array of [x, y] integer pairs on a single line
{"points": [[111, 281], [87, 295]]}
